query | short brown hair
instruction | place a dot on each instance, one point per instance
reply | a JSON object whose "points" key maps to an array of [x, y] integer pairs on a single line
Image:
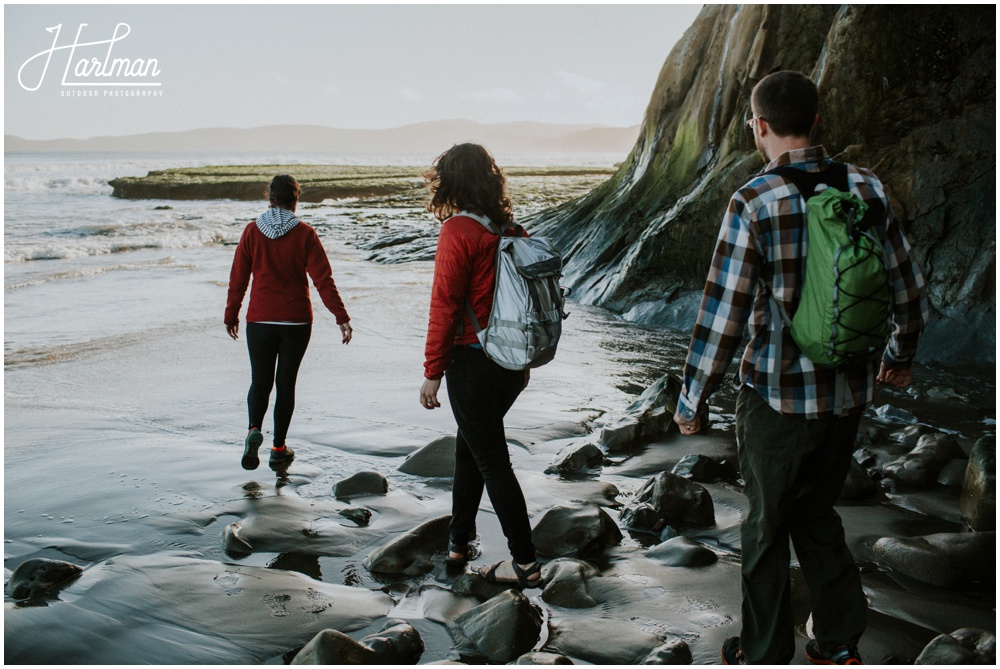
{"points": [[465, 177], [284, 191], [788, 101]]}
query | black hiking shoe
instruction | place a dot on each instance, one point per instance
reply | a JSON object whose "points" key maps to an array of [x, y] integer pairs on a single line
{"points": [[281, 460], [250, 445], [840, 655], [731, 652]]}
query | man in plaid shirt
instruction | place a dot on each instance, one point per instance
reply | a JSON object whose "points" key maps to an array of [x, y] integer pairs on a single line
{"points": [[796, 422]]}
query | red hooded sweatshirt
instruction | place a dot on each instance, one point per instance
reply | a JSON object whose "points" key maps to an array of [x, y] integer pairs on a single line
{"points": [[280, 291]]}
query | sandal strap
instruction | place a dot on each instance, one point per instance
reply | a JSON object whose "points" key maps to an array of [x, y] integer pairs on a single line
{"points": [[523, 574]]}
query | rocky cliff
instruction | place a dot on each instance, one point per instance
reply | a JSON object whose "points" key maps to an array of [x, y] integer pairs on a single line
{"points": [[909, 91]]}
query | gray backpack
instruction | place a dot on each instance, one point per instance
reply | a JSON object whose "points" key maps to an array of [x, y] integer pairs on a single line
{"points": [[526, 319]]}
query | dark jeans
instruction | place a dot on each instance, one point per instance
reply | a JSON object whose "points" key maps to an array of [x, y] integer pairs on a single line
{"points": [[794, 471], [481, 392], [275, 354]]}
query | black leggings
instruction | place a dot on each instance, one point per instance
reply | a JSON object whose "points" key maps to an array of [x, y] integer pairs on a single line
{"points": [[271, 346]]}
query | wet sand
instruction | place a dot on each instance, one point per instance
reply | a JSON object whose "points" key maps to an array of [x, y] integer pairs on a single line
{"points": [[125, 460]]}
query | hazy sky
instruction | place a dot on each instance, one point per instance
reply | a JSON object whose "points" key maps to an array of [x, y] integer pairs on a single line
{"points": [[347, 66]]}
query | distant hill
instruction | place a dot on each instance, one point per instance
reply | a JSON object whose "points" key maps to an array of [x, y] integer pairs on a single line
{"points": [[434, 136]]}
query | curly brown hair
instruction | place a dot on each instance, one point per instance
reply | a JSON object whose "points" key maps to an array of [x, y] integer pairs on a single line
{"points": [[466, 178]]}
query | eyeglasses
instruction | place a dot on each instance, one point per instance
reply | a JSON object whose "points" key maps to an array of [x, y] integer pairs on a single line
{"points": [[750, 118]]}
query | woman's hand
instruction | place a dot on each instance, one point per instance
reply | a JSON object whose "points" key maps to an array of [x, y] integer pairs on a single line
{"points": [[347, 331], [429, 393], [233, 330]]}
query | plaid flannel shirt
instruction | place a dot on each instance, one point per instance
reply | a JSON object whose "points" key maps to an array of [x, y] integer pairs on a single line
{"points": [[760, 251]]}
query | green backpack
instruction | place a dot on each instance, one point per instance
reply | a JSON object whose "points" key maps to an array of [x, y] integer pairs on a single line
{"points": [[845, 309]]}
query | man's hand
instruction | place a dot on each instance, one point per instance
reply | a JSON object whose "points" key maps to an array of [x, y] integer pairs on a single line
{"points": [[429, 393], [897, 378], [233, 330], [527, 378], [688, 426], [347, 331]]}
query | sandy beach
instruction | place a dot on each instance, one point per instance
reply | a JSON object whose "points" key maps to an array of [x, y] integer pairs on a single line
{"points": [[124, 417]]}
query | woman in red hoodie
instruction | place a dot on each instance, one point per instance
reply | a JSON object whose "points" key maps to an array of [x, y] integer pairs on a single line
{"points": [[468, 196], [278, 250]]}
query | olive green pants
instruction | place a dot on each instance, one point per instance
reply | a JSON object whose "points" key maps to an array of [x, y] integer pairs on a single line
{"points": [[794, 470]]}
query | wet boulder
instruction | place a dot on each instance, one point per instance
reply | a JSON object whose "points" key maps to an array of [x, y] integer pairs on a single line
{"points": [[360, 484], [894, 415], [359, 517], [675, 651], [964, 646], [947, 560], [651, 415], [703, 469], [979, 490], [675, 501], [566, 583], [398, 642], [412, 553], [40, 577], [921, 466], [435, 460], [600, 641], [333, 647], [682, 552], [233, 541], [502, 628], [576, 458], [910, 435], [537, 657], [575, 530], [858, 484]]}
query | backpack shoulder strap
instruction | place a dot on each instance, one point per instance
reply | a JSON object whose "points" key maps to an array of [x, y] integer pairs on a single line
{"points": [[806, 182]]}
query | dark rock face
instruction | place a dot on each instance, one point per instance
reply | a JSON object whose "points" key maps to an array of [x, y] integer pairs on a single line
{"points": [[503, 628], [37, 578], [917, 106], [398, 642], [667, 499], [964, 646], [979, 491], [577, 530], [948, 560], [436, 459], [361, 483], [412, 553], [921, 466]]}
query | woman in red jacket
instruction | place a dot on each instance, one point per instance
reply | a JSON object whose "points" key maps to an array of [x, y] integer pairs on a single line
{"points": [[467, 195], [279, 250]]}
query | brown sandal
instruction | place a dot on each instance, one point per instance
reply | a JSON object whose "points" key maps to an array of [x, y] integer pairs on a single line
{"points": [[523, 579]]}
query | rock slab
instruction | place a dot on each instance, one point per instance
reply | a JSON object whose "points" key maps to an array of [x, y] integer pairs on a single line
{"points": [[39, 577], [964, 646], [668, 499], [575, 530], [502, 628], [921, 466], [979, 491], [397, 642], [948, 559], [435, 460], [361, 483], [412, 553]]}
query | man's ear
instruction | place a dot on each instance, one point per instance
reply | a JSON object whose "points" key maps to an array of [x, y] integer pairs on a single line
{"points": [[815, 121]]}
